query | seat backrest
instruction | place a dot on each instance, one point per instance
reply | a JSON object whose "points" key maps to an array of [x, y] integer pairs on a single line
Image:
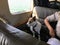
{"points": [[42, 12]]}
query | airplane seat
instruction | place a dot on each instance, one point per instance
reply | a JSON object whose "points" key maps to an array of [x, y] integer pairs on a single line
{"points": [[42, 12], [13, 36]]}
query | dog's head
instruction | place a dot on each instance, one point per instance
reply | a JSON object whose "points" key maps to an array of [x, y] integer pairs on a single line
{"points": [[31, 20]]}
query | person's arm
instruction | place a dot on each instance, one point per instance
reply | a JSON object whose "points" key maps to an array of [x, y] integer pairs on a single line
{"points": [[48, 19], [51, 30]]}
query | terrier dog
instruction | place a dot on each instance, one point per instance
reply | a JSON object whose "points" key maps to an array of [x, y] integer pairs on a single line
{"points": [[34, 25]]}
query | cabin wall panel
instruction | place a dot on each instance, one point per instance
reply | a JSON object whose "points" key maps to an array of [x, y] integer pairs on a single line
{"points": [[12, 19]]}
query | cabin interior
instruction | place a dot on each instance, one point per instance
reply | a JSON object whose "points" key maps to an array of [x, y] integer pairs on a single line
{"points": [[17, 12]]}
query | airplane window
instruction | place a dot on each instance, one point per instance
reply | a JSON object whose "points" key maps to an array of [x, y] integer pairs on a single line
{"points": [[20, 6], [58, 0], [54, 0], [55, 4], [51, 0]]}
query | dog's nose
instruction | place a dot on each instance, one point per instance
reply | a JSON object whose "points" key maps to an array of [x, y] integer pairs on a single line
{"points": [[27, 24]]}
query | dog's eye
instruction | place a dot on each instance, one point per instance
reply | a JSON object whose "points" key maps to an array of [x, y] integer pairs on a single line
{"points": [[30, 22]]}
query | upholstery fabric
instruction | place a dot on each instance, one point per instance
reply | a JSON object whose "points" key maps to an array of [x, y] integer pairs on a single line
{"points": [[42, 12]]}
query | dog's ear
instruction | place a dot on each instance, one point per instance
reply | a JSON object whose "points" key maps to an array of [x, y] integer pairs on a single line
{"points": [[32, 19]]}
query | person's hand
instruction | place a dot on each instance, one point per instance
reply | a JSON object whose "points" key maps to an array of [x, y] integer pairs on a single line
{"points": [[52, 33]]}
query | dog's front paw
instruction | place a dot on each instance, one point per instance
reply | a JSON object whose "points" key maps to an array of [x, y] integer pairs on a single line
{"points": [[33, 35]]}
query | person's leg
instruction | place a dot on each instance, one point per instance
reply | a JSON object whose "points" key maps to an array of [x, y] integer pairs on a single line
{"points": [[44, 34]]}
